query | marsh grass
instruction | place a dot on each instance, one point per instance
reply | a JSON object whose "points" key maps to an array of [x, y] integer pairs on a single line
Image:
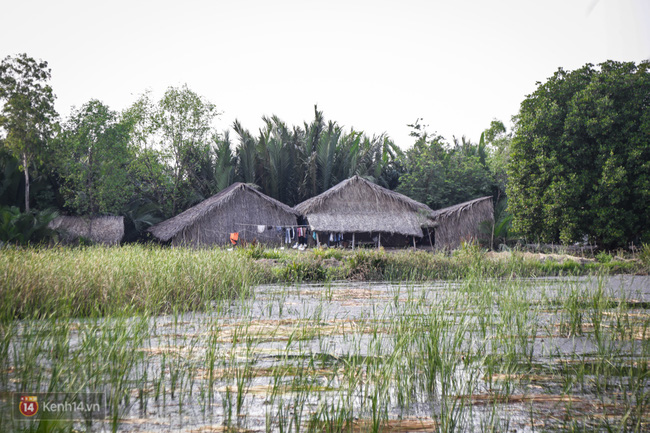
{"points": [[99, 281], [184, 339]]}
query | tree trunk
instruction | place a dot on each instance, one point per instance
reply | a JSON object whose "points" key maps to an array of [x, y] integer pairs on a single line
{"points": [[26, 171], [90, 186]]}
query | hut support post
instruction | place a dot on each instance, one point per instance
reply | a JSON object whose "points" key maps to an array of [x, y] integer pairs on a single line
{"points": [[317, 240], [413, 242], [352, 240], [379, 243]]}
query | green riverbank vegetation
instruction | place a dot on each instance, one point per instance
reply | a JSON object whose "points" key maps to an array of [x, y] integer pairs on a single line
{"points": [[99, 281]]}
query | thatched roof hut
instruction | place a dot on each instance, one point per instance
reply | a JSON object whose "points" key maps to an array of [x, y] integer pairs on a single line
{"points": [[238, 208], [461, 222], [360, 206], [107, 230]]}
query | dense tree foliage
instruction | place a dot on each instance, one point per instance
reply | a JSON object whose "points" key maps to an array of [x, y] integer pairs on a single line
{"points": [[578, 162], [27, 114], [158, 158], [496, 140], [440, 174], [580, 157], [172, 140], [91, 156], [294, 164]]}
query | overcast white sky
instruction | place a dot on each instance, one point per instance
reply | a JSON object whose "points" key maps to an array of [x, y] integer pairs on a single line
{"points": [[374, 65]]}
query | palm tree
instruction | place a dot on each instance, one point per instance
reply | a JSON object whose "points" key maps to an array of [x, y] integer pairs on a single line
{"points": [[246, 154], [274, 158], [224, 163], [326, 150]]}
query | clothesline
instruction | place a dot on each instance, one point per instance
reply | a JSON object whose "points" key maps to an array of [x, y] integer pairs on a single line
{"points": [[271, 225]]}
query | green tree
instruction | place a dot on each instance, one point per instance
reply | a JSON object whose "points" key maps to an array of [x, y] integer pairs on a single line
{"points": [[43, 185], [441, 175], [275, 154], [172, 141], [213, 166], [294, 164], [92, 157], [28, 114], [496, 140], [184, 126], [246, 154], [580, 158], [224, 163], [151, 177]]}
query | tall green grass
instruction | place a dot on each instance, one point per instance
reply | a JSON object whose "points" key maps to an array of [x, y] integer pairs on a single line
{"points": [[100, 281]]}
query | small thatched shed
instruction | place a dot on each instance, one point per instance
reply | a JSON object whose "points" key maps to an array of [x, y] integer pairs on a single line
{"points": [[461, 222], [238, 208], [107, 230], [359, 206]]}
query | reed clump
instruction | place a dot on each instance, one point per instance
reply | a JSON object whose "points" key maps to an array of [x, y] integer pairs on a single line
{"points": [[90, 281], [100, 281]]}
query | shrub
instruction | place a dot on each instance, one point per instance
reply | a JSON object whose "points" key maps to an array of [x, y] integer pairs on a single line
{"points": [[328, 253], [23, 228], [367, 265], [254, 251], [644, 256], [303, 270], [603, 257]]}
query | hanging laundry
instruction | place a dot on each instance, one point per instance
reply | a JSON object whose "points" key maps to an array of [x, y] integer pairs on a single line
{"points": [[234, 238], [288, 235], [260, 229]]}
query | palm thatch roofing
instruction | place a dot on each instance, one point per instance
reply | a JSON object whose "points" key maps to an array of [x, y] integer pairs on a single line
{"points": [[107, 230], [237, 208], [461, 222], [357, 205]]}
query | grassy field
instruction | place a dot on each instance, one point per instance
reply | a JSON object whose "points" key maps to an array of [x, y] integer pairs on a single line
{"points": [[99, 281], [189, 340]]}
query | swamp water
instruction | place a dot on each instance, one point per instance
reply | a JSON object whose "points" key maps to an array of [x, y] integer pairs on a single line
{"points": [[552, 354]]}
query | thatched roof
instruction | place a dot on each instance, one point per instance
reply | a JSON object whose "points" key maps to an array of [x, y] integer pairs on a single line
{"points": [[461, 222], [360, 206], [104, 229], [458, 209], [237, 191]]}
